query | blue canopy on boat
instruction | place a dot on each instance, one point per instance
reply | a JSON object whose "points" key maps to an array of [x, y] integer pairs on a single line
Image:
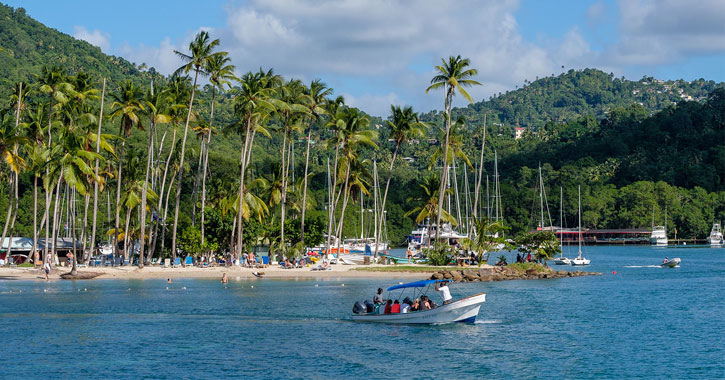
{"points": [[417, 284]]}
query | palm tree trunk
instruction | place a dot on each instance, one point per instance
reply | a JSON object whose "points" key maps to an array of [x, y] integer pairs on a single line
{"points": [[9, 214], [181, 165], [480, 171], [196, 181], [118, 201], [74, 268], [152, 249], [126, 239], [84, 236], [331, 206], [284, 190], [55, 217], [144, 195], [346, 190], [166, 210], [35, 216], [95, 180], [206, 163], [304, 191], [15, 216], [385, 198], [444, 177], [247, 137]]}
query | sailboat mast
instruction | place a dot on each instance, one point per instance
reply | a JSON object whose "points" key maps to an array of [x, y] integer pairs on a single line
{"points": [[580, 221], [561, 219], [541, 198]]}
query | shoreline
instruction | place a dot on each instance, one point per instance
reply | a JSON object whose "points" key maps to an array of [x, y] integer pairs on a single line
{"points": [[154, 272]]}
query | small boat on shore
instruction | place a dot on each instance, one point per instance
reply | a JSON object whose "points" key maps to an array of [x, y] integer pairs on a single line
{"points": [[464, 310], [671, 263]]}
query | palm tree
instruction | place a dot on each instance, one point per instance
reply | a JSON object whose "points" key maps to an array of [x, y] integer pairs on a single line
{"points": [[429, 209], [127, 105], [156, 103], [201, 49], [489, 236], [10, 138], [290, 109], [220, 73], [404, 125], [317, 95], [251, 107], [452, 75], [95, 171]]}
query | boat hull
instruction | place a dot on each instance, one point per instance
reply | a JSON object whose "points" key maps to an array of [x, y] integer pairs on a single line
{"points": [[580, 262], [464, 310], [672, 263], [562, 261]]}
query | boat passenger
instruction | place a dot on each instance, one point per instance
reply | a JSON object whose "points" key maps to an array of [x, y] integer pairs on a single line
{"points": [[666, 260], [389, 307], [395, 309], [424, 303], [442, 287], [378, 299], [415, 306], [404, 307]]}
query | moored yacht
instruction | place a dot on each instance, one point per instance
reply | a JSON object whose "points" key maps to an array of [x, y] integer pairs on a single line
{"points": [[658, 236], [716, 237]]}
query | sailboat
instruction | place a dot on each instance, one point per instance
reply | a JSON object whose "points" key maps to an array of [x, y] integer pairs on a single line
{"points": [[561, 260], [580, 260]]}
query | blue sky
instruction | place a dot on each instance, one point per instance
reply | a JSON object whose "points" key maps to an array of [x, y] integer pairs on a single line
{"points": [[381, 52]]}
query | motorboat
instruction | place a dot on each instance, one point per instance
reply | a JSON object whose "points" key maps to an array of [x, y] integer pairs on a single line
{"points": [[658, 236], [716, 238], [562, 260], [671, 263], [464, 310]]}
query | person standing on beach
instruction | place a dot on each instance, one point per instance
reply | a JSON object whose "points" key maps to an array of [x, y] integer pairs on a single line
{"points": [[46, 266]]}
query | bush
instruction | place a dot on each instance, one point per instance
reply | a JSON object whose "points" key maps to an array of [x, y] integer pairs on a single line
{"points": [[438, 255]]}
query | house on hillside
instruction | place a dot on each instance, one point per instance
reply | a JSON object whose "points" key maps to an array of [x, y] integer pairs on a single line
{"points": [[519, 132]]}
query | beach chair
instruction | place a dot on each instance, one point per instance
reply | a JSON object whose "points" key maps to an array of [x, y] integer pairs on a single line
{"points": [[265, 260], [189, 261], [177, 262]]}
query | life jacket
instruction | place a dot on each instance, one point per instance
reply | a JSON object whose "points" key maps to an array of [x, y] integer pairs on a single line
{"points": [[395, 308]]}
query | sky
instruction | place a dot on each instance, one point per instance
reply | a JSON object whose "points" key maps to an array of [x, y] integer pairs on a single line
{"points": [[381, 52]]}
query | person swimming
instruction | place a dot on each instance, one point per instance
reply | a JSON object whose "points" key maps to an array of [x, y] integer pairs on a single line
{"points": [[224, 279]]}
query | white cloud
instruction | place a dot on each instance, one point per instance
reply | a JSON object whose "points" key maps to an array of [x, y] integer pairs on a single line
{"points": [[95, 37], [373, 104], [669, 30]]}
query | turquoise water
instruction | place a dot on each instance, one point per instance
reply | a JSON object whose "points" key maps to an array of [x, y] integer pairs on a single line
{"points": [[643, 322]]}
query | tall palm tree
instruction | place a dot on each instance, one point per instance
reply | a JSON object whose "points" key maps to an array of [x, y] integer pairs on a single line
{"points": [[252, 108], [10, 139], [452, 75], [200, 49], [95, 171], [221, 72], [156, 103], [290, 108], [317, 95], [404, 124], [128, 104]]}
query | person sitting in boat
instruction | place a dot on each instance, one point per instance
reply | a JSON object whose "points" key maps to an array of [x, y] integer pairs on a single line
{"points": [[404, 307], [415, 306], [395, 309], [442, 287], [666, 260], [424, 303], [378, 298], [389, 307]]}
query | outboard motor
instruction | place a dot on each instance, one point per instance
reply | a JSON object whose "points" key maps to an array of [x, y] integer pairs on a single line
{"points": [[359, 308], [370, 306]]}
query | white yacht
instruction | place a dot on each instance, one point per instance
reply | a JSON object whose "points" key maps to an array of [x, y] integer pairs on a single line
{"points": [[716, 238], [580, 260], [658, 236]]}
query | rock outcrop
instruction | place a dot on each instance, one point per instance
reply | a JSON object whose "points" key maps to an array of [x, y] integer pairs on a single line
{"points": [[505, 273]]}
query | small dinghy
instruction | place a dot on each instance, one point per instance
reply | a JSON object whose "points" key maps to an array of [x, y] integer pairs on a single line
{"points": [[464, 310], [671, 263]]}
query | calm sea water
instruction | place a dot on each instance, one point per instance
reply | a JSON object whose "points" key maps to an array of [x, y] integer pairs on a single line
{"points": [[642, 322]]}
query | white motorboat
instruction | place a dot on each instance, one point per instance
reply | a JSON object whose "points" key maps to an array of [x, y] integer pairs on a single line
{"points": [[464, 310], [580, 260], [562, 261], [716, 237], [671, 263], [658, 236]]}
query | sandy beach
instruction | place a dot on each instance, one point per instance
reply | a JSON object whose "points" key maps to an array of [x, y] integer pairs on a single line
{"points": [[154, 272]]}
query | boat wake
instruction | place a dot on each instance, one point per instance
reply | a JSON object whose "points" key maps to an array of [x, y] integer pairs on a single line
{"points": [[642, 266], [487, 322]]}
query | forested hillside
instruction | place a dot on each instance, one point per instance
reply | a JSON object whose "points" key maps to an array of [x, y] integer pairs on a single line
{"points": [[633, 146]]}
